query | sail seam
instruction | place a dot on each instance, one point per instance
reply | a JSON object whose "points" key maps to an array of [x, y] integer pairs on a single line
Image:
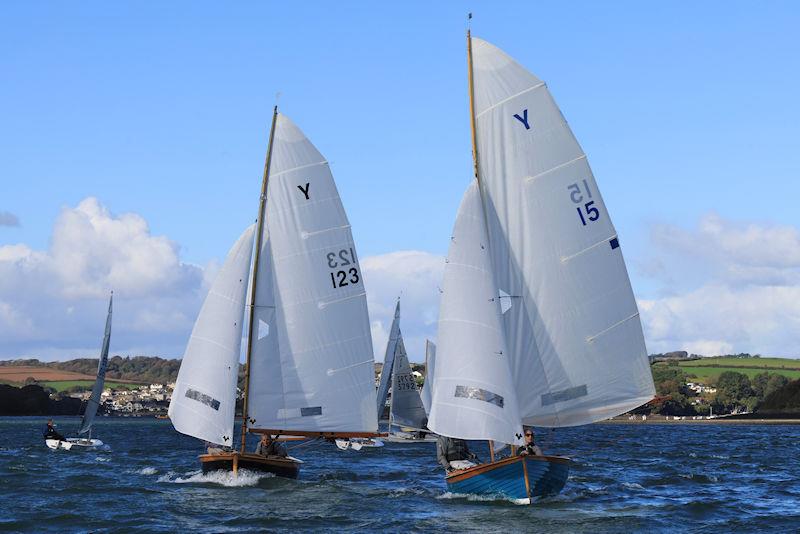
{"points": [[565, 259], [331, 371], [512, 97], [323, 305], [276, 174], [570, 162], [306, 235], [591, 339]]}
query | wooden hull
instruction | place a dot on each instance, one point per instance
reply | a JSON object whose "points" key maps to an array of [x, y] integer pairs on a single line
{"points": [[233, 461], [520, 478]]}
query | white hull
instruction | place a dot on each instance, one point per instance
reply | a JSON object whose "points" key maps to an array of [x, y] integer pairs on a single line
{"points": [[357, 444], [78, 443], [402, 437]]}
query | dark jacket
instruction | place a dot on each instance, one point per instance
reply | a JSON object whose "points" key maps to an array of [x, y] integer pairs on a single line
{"points": [[452, 449], [532, 450], [274, 448], [51, 433]]}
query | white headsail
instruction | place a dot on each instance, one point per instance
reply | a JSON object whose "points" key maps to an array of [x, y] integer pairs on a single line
{"points": [[430, 364], [473, 392], [204, 400], [312, 366], [94, 400], [407, 409], [573, 331], [388, 360]]}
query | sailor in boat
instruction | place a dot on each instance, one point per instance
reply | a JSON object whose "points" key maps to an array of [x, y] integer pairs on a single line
{"points": [[453, 454], [51, 433], [530, 448], [270, 447]]}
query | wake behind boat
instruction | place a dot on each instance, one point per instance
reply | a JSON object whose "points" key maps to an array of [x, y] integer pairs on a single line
{"points": [[309, 368], [538, 324], [55, 441]]}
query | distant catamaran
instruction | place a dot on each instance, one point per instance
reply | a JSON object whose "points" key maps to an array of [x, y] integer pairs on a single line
{"points": [[90, 410], [538, 323], [310, 366]]}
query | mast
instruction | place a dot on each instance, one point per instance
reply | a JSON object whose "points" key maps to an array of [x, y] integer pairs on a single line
{"points": [[472, 106], [259, 232]]}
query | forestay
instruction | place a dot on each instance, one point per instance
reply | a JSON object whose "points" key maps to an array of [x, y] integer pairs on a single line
{"points": [[473, 392], [204, 399], [407, 409], [312, 366], [573, 328], [388, 360], [427, 386], [94, 400]]}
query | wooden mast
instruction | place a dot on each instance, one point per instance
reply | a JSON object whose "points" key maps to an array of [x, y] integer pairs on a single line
{"points": [[259, 232], [475, 150]]}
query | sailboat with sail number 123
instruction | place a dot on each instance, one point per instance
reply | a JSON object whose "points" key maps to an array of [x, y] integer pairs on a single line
{"points": [[309, 362]]}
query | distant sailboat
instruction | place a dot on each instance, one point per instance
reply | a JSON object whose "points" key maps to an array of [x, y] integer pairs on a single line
{"points": [[310, 368], [407, 416], [538, 324], [90, 410]]}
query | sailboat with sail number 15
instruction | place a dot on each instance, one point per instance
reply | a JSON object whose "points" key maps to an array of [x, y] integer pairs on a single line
{"points": [[538, 324], [309, 361]]}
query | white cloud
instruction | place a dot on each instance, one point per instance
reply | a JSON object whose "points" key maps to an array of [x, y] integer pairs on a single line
{"points": [[727, 286], [54, 301], [415, 277]]}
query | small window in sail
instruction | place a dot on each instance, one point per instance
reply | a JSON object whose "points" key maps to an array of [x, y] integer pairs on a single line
{"points": [[202, 398], [312, 410], [470, 392]]}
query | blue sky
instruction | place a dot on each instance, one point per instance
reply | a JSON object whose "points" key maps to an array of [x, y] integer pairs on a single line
{"points": [[687, 111]]}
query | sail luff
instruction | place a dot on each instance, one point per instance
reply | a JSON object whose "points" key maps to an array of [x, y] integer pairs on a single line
{"points": [[430, 364], [97, 389], [254, 280]]}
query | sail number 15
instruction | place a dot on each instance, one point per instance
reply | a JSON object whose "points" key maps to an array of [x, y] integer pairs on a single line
{"points": [[346, 273], [586, 210]]}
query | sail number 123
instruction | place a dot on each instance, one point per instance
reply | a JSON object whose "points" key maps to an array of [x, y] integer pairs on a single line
{"points": [[346, 273], [587, 212]]}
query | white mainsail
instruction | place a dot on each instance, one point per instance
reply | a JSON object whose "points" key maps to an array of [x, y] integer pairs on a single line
{"points": [[573, 331], [388, 360], [204, 400], [312, 366], [94, 400], [473, 391], [427, 386], [406, 408]]}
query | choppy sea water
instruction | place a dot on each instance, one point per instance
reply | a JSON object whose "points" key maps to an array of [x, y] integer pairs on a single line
{"points": [[658, 478]]}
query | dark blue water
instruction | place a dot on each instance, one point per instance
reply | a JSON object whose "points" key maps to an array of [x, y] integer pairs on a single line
{"points": [[625, 479]]}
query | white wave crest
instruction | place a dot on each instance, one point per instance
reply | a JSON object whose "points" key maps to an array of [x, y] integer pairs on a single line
{"points": [[632, 485], [102, 459], [147, 471], [223, 478], [481, 498]]}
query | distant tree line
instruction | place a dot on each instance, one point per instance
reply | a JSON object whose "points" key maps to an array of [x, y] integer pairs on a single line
{"points": [[735, 392], [150, 369]]}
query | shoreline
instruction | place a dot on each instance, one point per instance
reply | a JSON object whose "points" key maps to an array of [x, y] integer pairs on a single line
{"points": [[715, 421]]}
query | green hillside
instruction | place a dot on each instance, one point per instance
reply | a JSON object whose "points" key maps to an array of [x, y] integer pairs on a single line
{"points": [[63, 385]]}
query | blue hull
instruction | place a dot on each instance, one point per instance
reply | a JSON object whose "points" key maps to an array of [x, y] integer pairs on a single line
{"points": [[546, 475]]}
